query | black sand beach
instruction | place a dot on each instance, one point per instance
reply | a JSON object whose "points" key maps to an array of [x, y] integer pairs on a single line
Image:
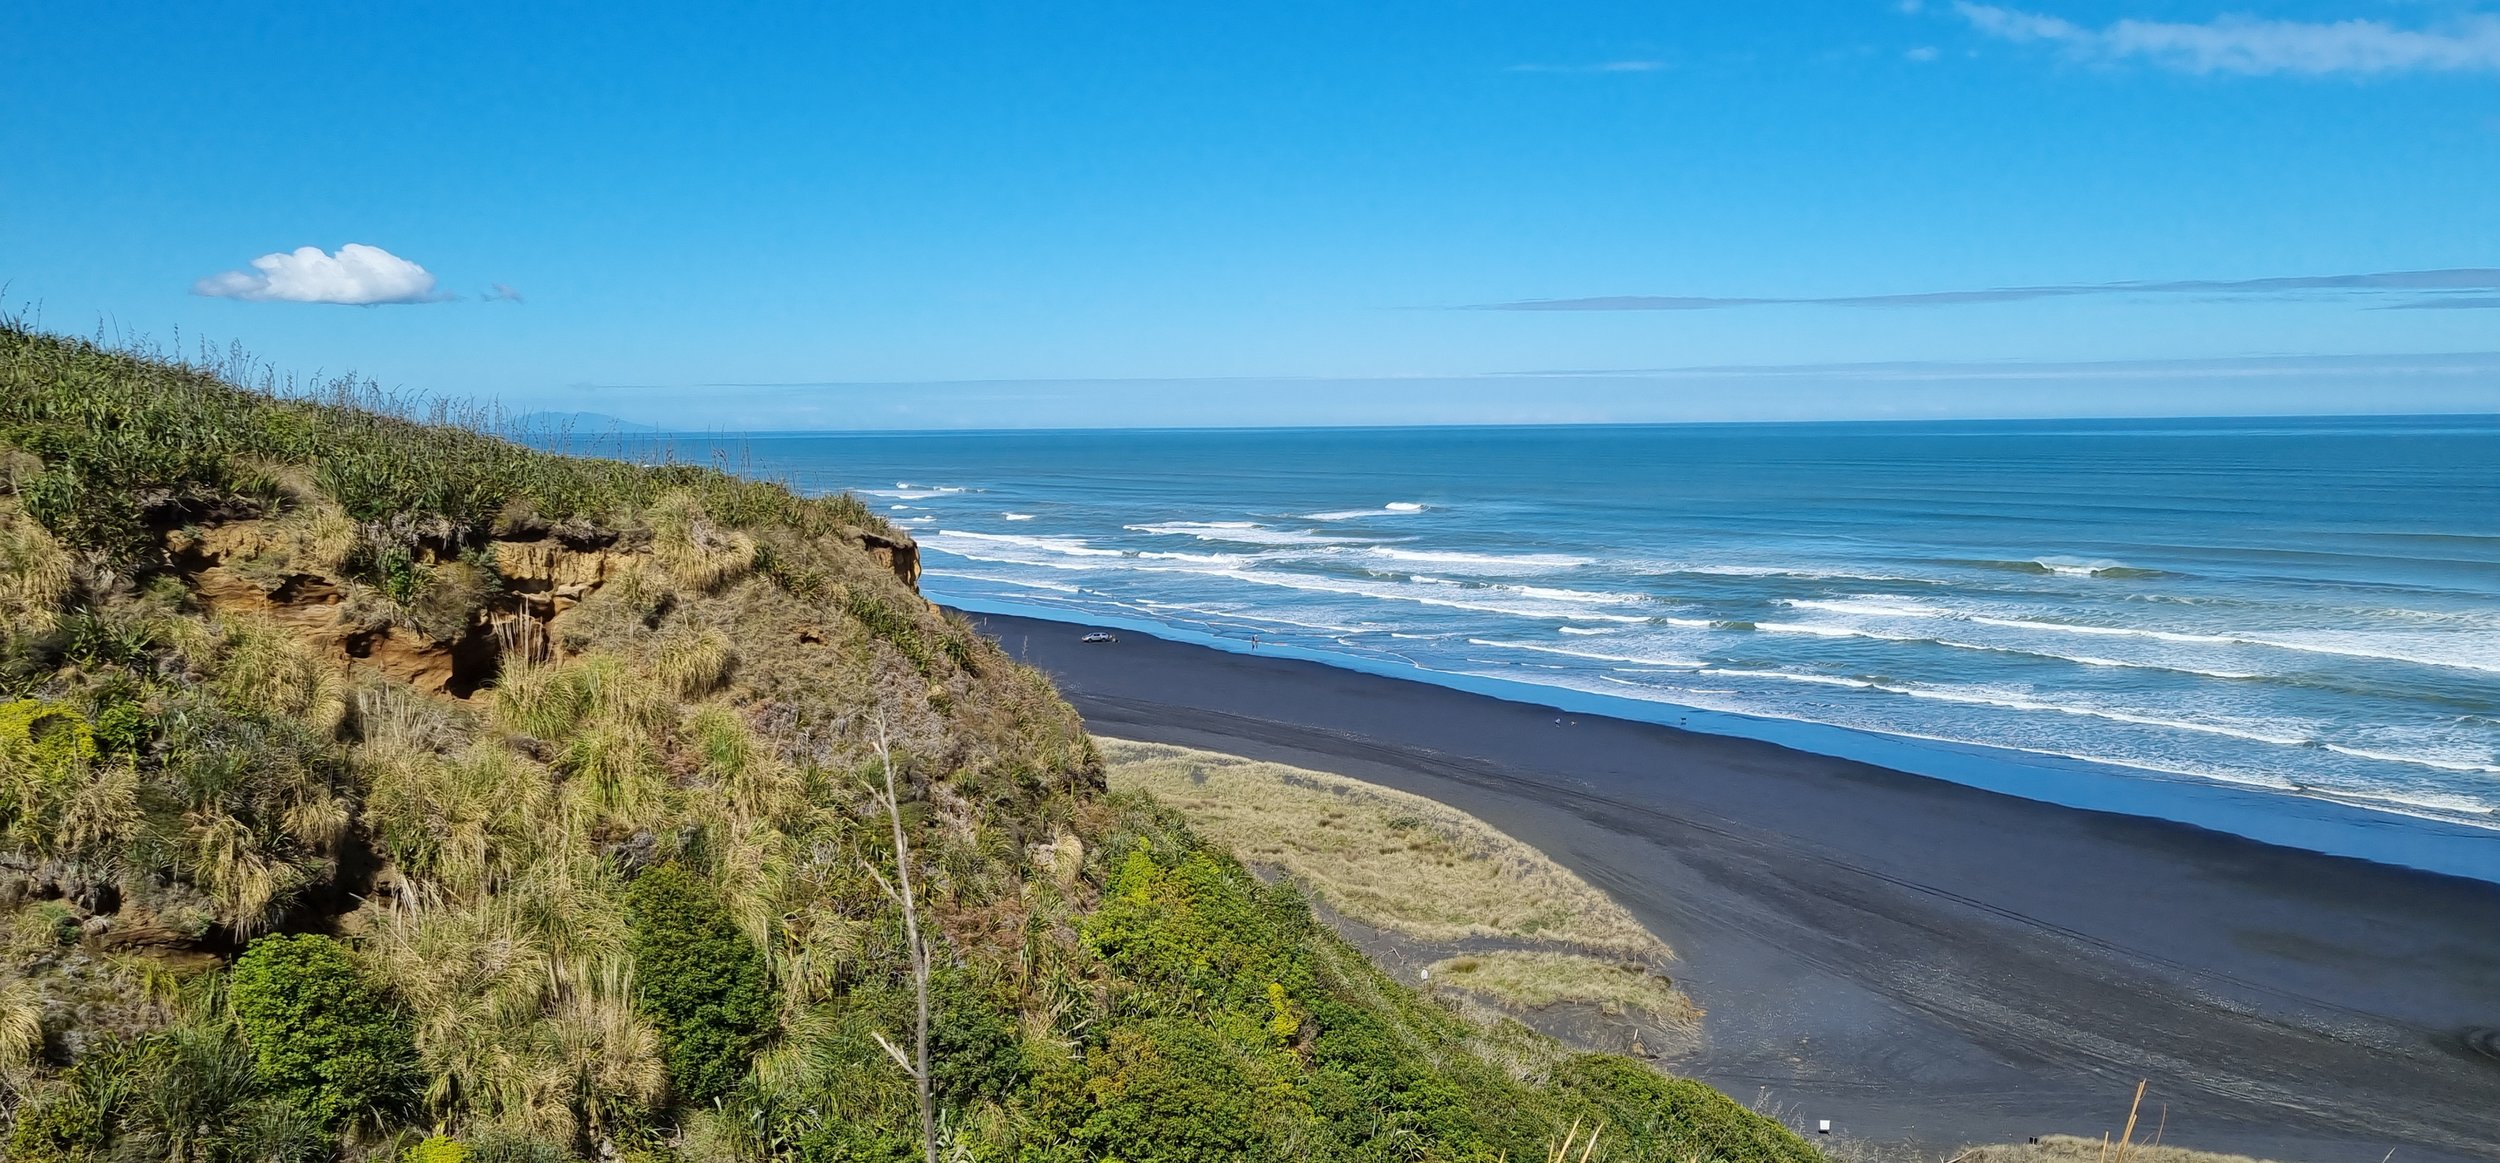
{"points": [[1912, 959]]}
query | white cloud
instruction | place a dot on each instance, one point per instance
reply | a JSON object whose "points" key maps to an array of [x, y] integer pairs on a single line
{"points": [[357, 275], [2248, 45]]}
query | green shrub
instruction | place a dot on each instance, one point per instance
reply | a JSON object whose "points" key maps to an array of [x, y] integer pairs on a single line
{"points": [[123, 729], [44, 735], [322, 1036], [46, 751], [1662, 1117], [972, 1041], [699, 980], [438, 1149], [56, 1127]]}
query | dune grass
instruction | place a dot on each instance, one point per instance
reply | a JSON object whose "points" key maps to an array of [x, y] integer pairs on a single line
{"points": [[1382, 857], [2077, 1149], [1542, 977]]}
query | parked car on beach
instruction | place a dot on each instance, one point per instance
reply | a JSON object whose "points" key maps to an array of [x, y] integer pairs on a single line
{"points": [[1100, 636]]}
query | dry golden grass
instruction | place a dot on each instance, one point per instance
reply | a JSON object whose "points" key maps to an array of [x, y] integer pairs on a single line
{"points": [[1385, 858], [34, 572], [2077, 1149], [1538, 977]]}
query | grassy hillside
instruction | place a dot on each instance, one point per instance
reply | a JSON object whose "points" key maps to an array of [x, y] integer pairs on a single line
{"points": [[374, 789]]}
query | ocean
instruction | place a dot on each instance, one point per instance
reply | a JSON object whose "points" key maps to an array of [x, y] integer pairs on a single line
{"points": [[2303, 610]]}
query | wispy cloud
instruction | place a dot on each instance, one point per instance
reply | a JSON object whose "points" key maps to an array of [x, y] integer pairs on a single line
{"points": [[2435, 283], [2253, 46], [503, 293], [1627, 66], [2452, 303], [358, 275]]}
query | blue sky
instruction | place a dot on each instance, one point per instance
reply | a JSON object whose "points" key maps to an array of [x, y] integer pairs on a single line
{"points": [[1281, 213]]}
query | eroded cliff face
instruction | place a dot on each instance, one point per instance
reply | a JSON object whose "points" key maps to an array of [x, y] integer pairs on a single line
{"points": [[244, 567], [898, 552]]}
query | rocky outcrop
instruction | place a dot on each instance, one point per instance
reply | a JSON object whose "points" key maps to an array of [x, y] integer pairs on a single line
{"points": [[228, 572], [249, 567], [897, 552]]}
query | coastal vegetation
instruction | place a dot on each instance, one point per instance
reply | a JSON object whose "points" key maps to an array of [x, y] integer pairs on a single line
{"points": [[375, 789], [2078, 1149], [1537, 978], [1493, 919]]}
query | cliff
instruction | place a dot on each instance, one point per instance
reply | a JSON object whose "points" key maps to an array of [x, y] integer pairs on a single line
{"points": [[373, 788]]}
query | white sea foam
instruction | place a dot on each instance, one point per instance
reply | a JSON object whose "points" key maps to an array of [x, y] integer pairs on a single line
{"points": [[1810, 628], [2011, 701], [2440, 806], [1073, 546], [1017, 516], [1010, 549], [1240, 533], [1586, 630], [2075, 566], [1673, 695], [1357, 589], [1873, 607], [2454, 809], [1799, 572], [1553, 594], [1218, 560], [2417, 760], [2093, 660], [1791, 676], [1028, 583], [1637, 660], [1826, 630], [2306, 646], [1481, 562], [2015, 702], [1392, 509]]}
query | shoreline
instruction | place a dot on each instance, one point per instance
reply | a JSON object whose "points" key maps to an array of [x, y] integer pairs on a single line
{"points": [[1916, 959], [2324, 824]]}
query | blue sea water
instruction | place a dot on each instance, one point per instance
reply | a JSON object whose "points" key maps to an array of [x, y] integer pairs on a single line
{"points": [[2306, 610]]}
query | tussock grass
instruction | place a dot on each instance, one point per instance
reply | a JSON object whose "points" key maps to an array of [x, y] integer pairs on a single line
{"points": [[108, 425], [34, 571], [1382, 857], [1539, 977]]}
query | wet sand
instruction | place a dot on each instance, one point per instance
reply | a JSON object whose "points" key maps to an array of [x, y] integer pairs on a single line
{"points": [[1912, 959]]}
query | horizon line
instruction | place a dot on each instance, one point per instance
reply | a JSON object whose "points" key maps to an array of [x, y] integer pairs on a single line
{"points": [[655, 432]]}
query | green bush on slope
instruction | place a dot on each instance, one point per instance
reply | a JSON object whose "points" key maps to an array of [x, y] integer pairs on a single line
{"points": [[322, 1036], [699, 980]]}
